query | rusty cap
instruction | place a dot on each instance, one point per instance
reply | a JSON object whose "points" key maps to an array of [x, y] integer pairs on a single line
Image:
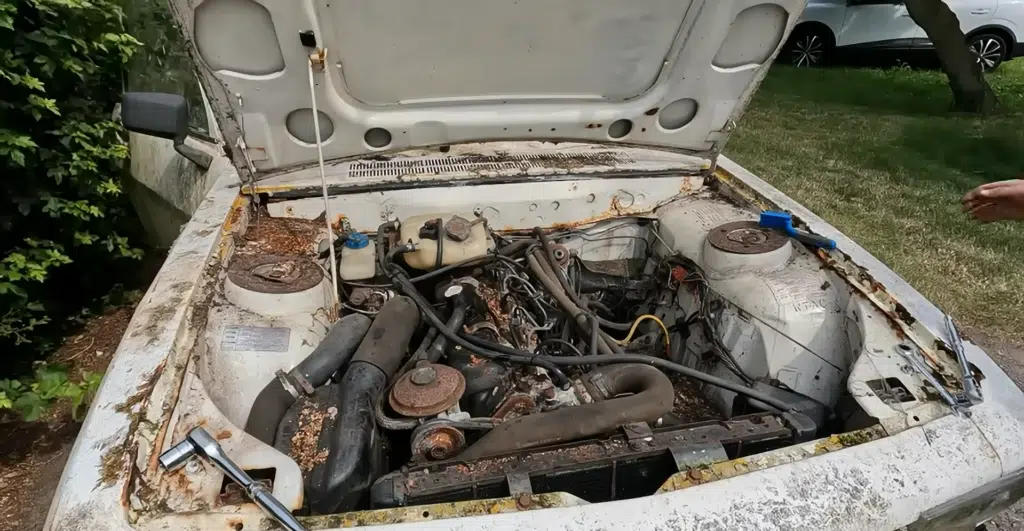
{"points": [[418, 393]]}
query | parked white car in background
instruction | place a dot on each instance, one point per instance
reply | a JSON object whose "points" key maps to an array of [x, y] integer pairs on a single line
{"points": [[832, 27]]}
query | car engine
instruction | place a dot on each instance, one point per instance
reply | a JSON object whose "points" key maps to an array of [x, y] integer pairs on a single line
{"points": [[471, 363]]}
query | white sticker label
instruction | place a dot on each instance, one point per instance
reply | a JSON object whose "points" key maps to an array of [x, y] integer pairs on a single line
{"points": [[255, 338]]}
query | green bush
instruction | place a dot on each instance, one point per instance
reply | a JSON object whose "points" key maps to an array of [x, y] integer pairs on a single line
{"points": [[48, 385], [66, 230]]}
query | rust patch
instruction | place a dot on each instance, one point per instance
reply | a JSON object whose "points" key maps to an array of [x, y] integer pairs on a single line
{"points": [[517, 405], [427, 390], [615, 210], [437, 511], [340, 223], [223, 434], [142, 392], [270, 273], [114, 462]]}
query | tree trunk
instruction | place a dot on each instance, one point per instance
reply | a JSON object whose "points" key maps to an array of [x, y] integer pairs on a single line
{"points": [[971, 92]]}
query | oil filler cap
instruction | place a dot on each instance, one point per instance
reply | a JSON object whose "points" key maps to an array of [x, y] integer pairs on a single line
{"points": [[357, 240]]}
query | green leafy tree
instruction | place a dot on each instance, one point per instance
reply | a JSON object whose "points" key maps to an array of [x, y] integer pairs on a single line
{"points": [[65, 225]]}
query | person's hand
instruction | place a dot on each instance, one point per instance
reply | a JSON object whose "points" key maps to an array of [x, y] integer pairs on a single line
{"points": [[999, 201]]}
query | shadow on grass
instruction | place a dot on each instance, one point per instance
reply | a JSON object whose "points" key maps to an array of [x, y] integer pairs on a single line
{"points": [[890, 91], [986, 152], [931, 142]]}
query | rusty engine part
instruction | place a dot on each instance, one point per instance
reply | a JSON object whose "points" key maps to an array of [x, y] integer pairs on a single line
{"points": [[437, 440], [427, 390], [561, 254], [746, 237], [651, 398], [274, 274], [630, 463], [368, 300]]}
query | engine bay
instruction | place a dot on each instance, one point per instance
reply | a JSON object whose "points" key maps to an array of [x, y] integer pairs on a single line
{"points": [[472, 359]]}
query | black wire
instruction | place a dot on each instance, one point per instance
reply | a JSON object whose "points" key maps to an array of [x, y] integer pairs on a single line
{"points": [[606, 359], [476, 260], [560, 342], [438, 260], [403, 283]]}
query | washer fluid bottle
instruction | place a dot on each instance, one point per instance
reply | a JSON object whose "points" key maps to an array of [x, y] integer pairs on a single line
{"points": [[358, 258]]}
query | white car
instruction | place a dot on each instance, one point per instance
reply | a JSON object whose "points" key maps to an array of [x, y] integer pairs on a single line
{"points": [[832, 27], [562, 308]]}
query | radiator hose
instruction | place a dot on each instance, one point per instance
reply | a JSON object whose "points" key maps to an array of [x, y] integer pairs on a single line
{"points": [[650, 399], [327, 358], [355, 456]]}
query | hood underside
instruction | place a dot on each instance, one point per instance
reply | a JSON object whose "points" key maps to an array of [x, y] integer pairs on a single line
{"points": [[397, 74]]}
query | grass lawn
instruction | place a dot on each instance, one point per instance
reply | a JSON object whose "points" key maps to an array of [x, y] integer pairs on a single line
{"points": [[878, 154]]}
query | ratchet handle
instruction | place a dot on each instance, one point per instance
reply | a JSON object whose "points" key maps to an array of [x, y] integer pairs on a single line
{"points": [[814, 240]]}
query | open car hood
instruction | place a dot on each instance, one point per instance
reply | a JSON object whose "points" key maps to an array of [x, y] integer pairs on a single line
{"points": [[399, 74]]}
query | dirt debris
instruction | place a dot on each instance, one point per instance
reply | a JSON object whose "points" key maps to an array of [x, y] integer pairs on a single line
{"points": [[281, 236], [305, 442], [33, 454], [690, 405]]}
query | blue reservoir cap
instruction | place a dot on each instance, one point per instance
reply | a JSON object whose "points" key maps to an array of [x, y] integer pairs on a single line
{"points": [[357, 240]]}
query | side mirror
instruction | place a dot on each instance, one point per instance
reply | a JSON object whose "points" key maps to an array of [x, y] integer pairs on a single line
{"points": [[163, 116]]}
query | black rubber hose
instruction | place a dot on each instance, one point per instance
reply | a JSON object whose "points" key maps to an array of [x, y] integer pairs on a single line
{"points": [[439, 258], [402, 283], [664, 364], [355, 458], [650, 397], [382, 232], [458, 316], [389, 336], [330, 356], [553, 263], [613, 359], [476, 260], [516, 247], [542, 270]]}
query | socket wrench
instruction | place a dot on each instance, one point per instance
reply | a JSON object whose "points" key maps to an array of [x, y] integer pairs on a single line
{"points": [[971, 388], [199, 443]]}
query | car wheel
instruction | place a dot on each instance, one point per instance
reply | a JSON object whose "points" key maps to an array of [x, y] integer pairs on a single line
{"points": [[809, 47], [989, 48]]}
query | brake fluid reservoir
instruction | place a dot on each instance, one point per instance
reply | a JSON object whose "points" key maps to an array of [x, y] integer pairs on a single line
{"points": [[358, 258], [459, 238]]}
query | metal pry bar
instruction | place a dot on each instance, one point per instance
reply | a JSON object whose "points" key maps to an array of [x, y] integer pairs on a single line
{"points": [[971, 388]]}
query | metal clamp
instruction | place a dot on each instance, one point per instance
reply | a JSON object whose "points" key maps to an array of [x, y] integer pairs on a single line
{"points": [[911, 356]]}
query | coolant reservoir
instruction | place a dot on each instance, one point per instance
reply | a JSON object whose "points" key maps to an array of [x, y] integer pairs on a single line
{"points": [[358, 258], [460, 239], [783, 317], [272, 315]]}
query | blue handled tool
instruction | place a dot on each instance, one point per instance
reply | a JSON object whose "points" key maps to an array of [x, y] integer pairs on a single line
{"points": [[784, 221]]}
